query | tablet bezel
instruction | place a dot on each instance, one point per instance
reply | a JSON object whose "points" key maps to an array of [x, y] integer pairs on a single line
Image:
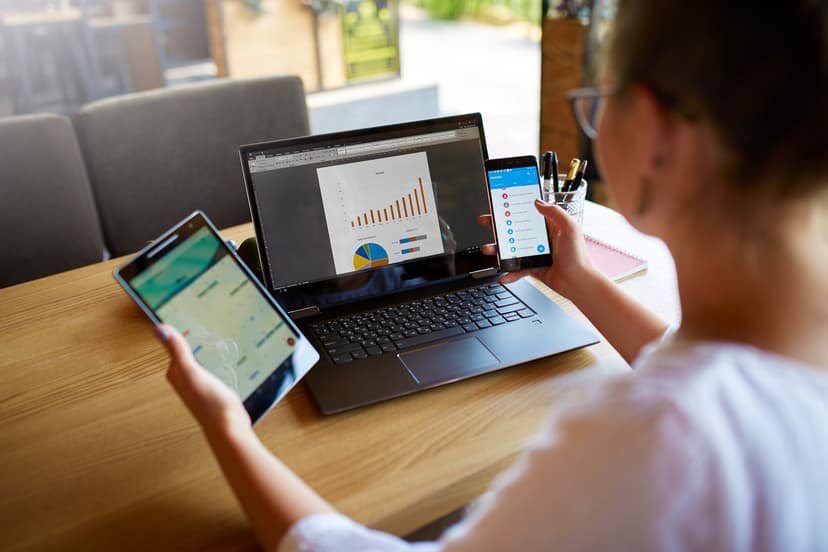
{"points": [[304, 357]]}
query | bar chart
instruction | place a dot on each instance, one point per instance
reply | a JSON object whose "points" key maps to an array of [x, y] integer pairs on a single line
{"points": [[392, 212], [386, 203]]}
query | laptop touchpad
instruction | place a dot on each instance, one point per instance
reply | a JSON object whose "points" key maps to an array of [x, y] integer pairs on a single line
{"points": [[449, 361]]}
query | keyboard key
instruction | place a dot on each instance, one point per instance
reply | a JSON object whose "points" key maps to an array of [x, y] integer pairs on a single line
{"points": [[497, 320], [373, 351], [511, 317], [506, 302], [490, 313], [470, 327], [477, 317], [427, 338], [410, 333], [388, 347], [343, 358], [511, 308], [504, 295], [359, 354], [349, 348], [526, 313], [483, 324]]}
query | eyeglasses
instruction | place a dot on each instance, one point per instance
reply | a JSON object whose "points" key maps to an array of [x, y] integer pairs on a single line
{"points": [[586, 106]]}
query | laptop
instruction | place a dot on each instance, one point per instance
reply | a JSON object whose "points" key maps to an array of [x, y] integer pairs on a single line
{"points": [[369, 239]]}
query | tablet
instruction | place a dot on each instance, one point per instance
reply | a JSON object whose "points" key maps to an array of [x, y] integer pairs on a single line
{"points": [[192, 280]]}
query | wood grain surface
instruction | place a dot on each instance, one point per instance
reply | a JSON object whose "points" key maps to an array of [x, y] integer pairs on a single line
{"points": [[98, 453]]}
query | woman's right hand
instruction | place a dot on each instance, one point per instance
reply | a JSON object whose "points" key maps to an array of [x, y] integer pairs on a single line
{"points": [[215, 406], [571, 268]]}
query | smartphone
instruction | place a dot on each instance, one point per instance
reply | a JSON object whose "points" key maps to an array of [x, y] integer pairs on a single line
{"points": [[191, 279], [520, 231]]}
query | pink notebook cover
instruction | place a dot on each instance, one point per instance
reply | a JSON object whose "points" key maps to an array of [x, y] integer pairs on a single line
{"points": [[613, 262]]}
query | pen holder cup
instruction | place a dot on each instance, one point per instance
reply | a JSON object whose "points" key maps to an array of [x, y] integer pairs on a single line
{"points": [[572, 202]]}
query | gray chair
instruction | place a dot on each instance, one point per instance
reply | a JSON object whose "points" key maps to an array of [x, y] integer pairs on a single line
{"points": [[154, 157], [49, 223]]}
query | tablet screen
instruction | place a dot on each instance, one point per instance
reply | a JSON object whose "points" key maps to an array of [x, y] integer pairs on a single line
{"points": [[198, 287]]}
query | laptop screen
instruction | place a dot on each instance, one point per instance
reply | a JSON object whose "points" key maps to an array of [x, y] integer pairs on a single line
{"points": [[345, 216]]}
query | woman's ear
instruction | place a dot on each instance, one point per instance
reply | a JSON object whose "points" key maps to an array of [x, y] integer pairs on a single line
{"points": [[656, 128]]}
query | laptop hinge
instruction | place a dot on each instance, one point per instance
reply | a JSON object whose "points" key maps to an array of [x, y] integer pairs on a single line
{"points": [[303, 313], [485, 273]]}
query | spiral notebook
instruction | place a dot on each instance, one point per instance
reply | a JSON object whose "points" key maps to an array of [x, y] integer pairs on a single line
{"points": [[613, 262]]}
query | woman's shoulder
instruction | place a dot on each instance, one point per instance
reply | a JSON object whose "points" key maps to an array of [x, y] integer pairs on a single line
{"points": [[704, 395], [705, 406], [689, 370], [693, 428]]}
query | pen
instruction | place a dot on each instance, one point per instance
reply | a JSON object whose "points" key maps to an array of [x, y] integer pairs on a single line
{"points": [[555, 184], [579, 176], [571, 174], [546, 164]]}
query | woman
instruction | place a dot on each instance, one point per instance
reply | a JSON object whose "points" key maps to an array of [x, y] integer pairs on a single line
{"points": [[711, 135]]}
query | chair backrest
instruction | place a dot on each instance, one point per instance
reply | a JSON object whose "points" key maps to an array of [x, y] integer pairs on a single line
{"points": [[48, 221], [154, 157]]}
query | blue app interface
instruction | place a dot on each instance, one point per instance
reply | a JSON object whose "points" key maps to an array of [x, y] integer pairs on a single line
{"points": [[521, 230]]}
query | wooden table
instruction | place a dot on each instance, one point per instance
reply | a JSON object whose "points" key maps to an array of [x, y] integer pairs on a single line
{"points": [[97, 452]]}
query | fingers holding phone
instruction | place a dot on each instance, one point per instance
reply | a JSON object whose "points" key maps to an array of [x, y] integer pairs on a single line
{"points": [[485, 220], [569, 263]]}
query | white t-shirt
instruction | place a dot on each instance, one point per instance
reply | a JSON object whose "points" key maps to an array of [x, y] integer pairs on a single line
{"points": [[706, 446]]}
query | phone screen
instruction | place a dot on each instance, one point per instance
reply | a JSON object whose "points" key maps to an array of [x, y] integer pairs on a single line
{"points": [[519, 228], [199, 288]]}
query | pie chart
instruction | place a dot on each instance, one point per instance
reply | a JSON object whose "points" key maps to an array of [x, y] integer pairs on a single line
{"points": [[370, 255]]}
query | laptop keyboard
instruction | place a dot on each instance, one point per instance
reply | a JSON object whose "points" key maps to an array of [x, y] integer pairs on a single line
{"points": [[390, 329]]}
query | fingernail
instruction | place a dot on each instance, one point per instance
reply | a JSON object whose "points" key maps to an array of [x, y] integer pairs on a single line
{"points": [[162, 333]]}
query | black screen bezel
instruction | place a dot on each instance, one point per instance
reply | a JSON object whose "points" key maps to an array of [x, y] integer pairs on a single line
{"points": [[427, 270]]}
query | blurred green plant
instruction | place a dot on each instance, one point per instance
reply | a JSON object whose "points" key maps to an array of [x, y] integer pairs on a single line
{"points": [[524, 10]]}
